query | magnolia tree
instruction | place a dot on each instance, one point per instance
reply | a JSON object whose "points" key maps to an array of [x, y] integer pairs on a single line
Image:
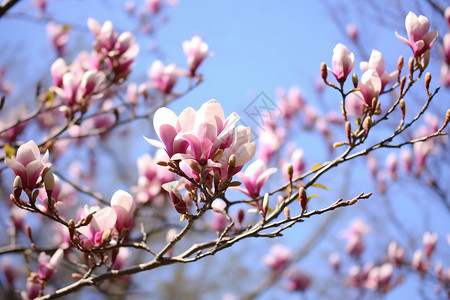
{"points": [[211, 181]]}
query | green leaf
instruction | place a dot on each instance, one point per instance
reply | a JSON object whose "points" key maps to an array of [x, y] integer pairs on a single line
{"points": [[312, 196], [321, 186], [9, 151], [316, 167]]}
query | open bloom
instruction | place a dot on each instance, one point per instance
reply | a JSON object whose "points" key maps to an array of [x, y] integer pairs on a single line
{"points": [[48, 265], [27, 164], [59, 35], [370, 86], [100, 229], [124, 206], [376, 62], [163, 77], [343, 62], [196, 52], [254, 178], [420, 40], [278, 258], [199, 135]]}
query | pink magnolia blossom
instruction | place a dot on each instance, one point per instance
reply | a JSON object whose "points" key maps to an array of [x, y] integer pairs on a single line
{"points": [[278, 258], [446, 47], [297, 280], [49, 265], [354, 234], [419, 39], [406, 159], [196, 52], [124, 206], [429, 242], [40, 4], [219, 220], [254, 178], [370, 86], [379, 277], [419, 263], [335, 261], [352, 31], [33, 287], [100, 229], [174, 192], [163, 77], [354, 106], [269, 143], [447, 16], [445, 75], [59, 35], [290, 103], [391, 165], [376, 62], [153, 6], [28, 164], [343, 62], [198, 135], [395, 253]]}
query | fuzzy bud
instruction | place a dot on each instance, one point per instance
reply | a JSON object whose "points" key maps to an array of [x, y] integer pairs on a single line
{"points": [[355, 80], [290, 171], [402, 84], [241, 215], [323, 71], [348, 130], [447, 120], [402, 108], [17, 187], [427, 81], [71, 227], [49, 183], [265, 204], [287, 213], [411, 66], [231, 165], [194, 166], [218, 155], [400, 64], [303, 199]]}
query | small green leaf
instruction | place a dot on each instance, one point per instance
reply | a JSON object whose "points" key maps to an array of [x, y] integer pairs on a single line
{"points": [[312, 196], [321, 186], [9, 151], [316, 167]]}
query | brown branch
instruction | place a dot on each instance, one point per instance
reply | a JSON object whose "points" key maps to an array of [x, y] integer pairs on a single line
{"points": [[7, 5]]}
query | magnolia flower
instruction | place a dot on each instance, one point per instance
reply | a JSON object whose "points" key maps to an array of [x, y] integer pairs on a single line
{"points": [[124, 206], [100, 229], [379, 277], [199, 135], [369, 86], [163, 77], [196, 52], [48, 265], [419, 263], [429, 242], [254, 178], [27, 164], [395, 253], [355, 242], [297, 280], [376, 62], [446, 47], [352, 31], [391, 165], [175, 195], [445, 75], [420, 40], [278, 258], [59, 35], [343, 62]]}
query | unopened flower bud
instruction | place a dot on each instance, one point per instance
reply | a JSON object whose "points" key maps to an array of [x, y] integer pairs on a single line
{"points": [[427, 81], [323, 71], [71, 227], [49, 183], [17, 188], [218, 155], [402, 108], [348, 130], [287, 213], [303, 199], [400, 64], [411, 65], [447, 120], [424, 61], [194, 166], [290, 171], [265, 204], [367, 124], [231, 165], [241, 215], [402, 84], [355, 80]]}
